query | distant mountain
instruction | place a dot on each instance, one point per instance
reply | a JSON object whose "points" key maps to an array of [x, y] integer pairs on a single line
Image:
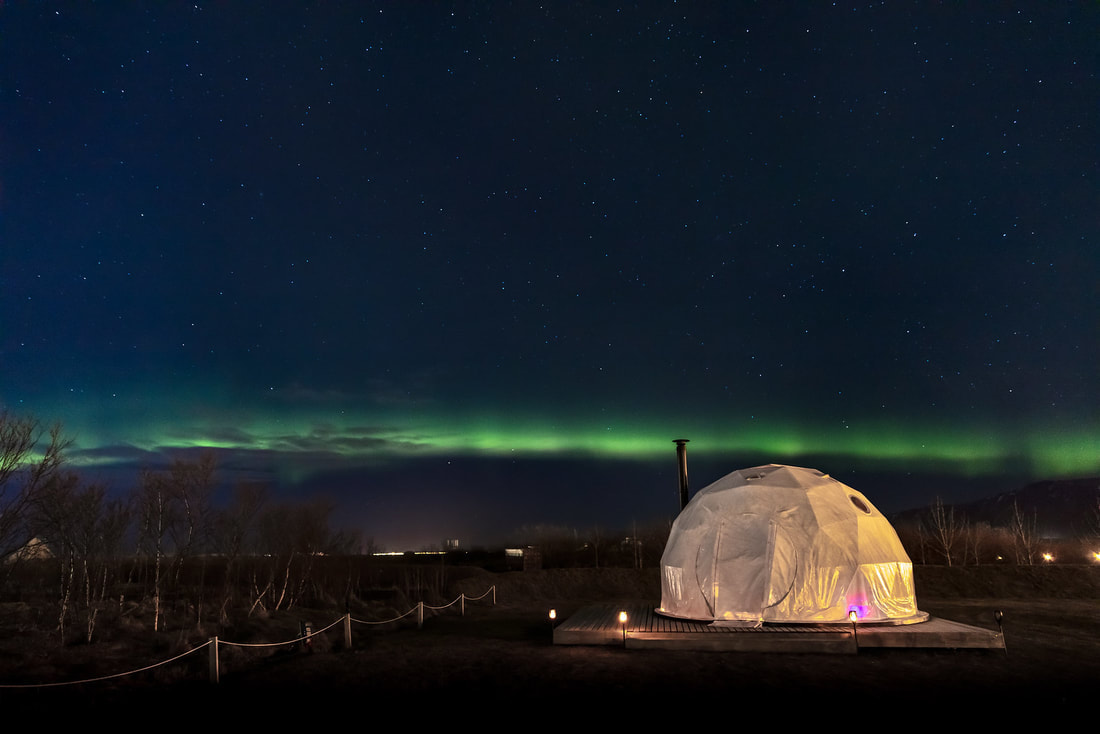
{"points": [[1062, 508]]}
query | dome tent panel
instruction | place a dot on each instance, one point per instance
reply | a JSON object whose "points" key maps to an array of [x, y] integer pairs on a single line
{"points": [[889, 590], [739, 572], [824, 571], [783, 552]]}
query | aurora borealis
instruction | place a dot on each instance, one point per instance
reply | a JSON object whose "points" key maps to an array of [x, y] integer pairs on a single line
{"points": [[468, 267]]}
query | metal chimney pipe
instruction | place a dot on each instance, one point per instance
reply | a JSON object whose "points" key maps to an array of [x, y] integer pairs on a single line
{"points": [[682, 460]]}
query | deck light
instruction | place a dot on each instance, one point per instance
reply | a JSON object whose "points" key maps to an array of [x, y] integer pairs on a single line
{"points": [[622, 621]]}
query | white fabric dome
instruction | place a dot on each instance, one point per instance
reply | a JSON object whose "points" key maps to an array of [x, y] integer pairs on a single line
{"points": [[785, 544]]}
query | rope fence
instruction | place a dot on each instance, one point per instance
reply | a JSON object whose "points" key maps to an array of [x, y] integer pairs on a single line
{"points": [[305, 639]]}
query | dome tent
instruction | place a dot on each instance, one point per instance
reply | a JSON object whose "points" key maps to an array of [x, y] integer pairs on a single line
{"points": [[785, 544]]}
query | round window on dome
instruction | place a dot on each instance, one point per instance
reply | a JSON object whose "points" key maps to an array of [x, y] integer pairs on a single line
{"points": [[860, 504]]}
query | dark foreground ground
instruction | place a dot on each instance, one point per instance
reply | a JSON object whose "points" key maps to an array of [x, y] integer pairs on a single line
{"points": [[497, 665]]}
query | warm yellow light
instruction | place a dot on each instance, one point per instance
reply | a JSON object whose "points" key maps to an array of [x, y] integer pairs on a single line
{"points": [[553, 614], [1048, 557], [622, 617], [852, 616], [1096, 556]]}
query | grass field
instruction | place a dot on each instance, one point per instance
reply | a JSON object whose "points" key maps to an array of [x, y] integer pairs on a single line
{"points": [[499, 661]]}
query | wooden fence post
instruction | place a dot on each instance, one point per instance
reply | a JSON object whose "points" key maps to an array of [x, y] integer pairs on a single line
{"points": [[213, 659]]}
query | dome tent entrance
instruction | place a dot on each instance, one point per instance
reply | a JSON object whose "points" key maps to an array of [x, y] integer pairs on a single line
{"points": [[785, 544]]}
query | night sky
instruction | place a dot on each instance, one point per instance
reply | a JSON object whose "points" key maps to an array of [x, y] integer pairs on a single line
{"points": [[460, 268]]}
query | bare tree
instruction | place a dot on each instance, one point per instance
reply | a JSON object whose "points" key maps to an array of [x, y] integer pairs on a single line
{"points": [[234, 529], [1024, 536], [53, 520], [175, 516], [978, 537], [1091, 535], [190, 485], [84, 529], [291, 537], [153, 504], [596, 540], [27, 463], [922, 542], [1095, 523], [946, 530], [650, 541]]}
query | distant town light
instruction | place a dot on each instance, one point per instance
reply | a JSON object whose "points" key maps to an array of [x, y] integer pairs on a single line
{"points": [[1048, 557]]}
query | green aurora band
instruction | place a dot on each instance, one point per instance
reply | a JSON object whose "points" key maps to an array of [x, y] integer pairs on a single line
{"points": [[964, 450]]}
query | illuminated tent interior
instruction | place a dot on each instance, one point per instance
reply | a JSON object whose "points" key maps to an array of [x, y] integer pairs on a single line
{"points": [[785, 544]]}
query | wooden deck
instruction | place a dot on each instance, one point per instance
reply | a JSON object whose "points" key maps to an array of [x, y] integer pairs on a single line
{"points": [[599, 625]]}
